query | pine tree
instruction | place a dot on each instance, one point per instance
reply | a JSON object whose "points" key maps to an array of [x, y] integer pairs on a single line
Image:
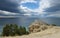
{"points": [[6, 30]]}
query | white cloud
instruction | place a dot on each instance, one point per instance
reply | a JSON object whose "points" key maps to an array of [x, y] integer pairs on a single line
{"points": [[8, 13], [43, 4], [40, 10], [25, 9], [54, 2], [54, 14], [24, 1], [27, 14]]}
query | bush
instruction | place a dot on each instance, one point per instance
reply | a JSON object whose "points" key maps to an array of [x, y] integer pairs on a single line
{"points": [[13, 29], [6, 30], [53, 25]]}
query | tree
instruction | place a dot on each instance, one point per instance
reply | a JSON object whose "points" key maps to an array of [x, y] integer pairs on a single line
{"points": [[6, 30], [53, 24], [13, 29], [16, 29], [23, 31]]}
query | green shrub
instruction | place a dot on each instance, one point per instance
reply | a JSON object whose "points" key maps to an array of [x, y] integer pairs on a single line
{"points": [[53, 25], [13, 29]]}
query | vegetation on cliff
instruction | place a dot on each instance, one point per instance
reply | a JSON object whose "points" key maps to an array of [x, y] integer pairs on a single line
{"points": [[14, 29]]}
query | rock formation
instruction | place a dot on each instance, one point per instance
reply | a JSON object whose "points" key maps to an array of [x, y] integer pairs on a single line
{"points": [[38, 26]]}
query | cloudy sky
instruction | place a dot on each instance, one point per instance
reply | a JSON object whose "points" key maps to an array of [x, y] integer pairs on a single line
{"points": [[47, 10]]}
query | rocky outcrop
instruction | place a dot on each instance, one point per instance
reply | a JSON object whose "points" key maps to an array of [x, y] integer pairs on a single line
{"points": [[38, 26]]}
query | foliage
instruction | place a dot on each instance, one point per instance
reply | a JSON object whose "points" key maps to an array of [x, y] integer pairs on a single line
{"points": [[53, 25], [13, 29]]}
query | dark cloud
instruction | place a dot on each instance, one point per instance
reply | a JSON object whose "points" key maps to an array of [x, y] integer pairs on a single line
{"points": [[7, 5], [53, 8]]}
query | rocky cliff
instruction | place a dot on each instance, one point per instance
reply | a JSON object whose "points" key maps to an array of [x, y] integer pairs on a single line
{"points": [[38, 26]]}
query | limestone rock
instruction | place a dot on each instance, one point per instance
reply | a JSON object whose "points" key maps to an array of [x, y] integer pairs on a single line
{"points": [[38, 26]]}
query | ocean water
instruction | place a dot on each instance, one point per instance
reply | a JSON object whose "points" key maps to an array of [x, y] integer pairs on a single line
{"points": [[26, 21]]}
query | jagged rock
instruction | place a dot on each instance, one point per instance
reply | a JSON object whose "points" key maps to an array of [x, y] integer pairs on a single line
{"points": [[38, 26]]}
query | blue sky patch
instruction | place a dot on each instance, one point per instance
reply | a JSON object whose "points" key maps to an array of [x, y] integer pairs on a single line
{"points": [[31, 5]]}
